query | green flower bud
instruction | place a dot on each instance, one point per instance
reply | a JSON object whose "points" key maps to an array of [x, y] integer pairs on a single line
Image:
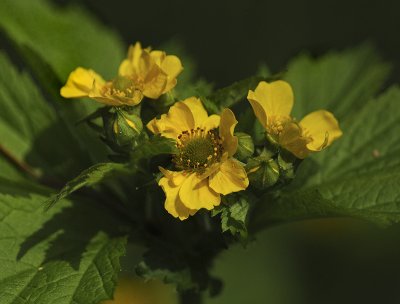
{"points": [[122, 129], [262, 173], [245, 146], [287, 163]]}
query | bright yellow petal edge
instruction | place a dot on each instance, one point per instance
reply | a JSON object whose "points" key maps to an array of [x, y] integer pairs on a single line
{"points": [[199, 186], [80, 83]]}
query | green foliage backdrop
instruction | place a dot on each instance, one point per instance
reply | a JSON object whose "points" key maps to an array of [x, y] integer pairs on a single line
{"points": [[59, 256]]}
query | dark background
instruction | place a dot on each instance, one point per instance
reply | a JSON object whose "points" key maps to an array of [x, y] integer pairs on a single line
{"points": [[230, 38], [320, 262]]}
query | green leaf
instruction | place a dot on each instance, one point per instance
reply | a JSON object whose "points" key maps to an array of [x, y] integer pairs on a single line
{"points": [[340, 82], [231, 95], [181, 278], [53, 42], [358, 176], [58, 256], [155, 145], [66, 38], [29, 129], [87, 178], [234, 216]]}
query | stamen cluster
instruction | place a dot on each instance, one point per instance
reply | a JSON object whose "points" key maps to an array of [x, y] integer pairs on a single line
{"points": [[122, 87], [198, 150]]}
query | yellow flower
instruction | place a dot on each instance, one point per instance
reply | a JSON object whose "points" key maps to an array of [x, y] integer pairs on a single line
{"points": [[272, 104], [144, 73], [205, 160]]}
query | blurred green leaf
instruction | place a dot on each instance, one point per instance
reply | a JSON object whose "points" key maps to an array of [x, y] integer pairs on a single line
{"points": [[58, 256], [53, 42], [340, 82], [65, 38], [30, 129]]}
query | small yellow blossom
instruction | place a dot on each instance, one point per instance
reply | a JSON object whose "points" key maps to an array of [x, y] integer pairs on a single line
{"points": [[272, 104], [144, 73], [205, 160]]}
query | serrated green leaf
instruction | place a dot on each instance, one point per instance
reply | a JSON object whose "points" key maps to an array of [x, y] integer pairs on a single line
{"points": [[87, 178], [58, 256], [358, 176], [340, 82], [234, 216]]}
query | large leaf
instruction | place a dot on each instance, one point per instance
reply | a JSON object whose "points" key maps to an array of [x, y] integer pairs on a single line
{"points": [[53, 42], [339, 81], [358, 176], [65, 38], [29, 129], [59, 256]]}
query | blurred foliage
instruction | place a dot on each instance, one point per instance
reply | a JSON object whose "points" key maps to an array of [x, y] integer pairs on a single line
{"points": [[71, 253]]}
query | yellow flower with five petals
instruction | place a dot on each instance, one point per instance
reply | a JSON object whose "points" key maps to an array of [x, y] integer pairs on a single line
{"points": [[145, 73], [205, 160], [272, 104]]}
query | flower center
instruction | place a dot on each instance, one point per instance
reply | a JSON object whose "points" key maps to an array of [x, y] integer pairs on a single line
{"points": [[198, 150], [276, 124], [122, 87]]}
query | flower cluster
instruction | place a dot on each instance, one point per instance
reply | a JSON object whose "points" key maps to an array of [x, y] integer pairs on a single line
{"points": [[204, 168], [144, 73]]}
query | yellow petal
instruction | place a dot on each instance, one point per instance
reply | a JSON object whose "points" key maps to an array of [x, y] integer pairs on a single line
{"points": [[130, 65], [271, 99], [176, 177], [155, 81], [172, 66], [197, 109], [178, 119], [212, 122], [80, 83], [158, 57], [231, 177], [154, 126], [195, 193], [292, 140], [226, 129], [322, 127], [171, 184]]}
